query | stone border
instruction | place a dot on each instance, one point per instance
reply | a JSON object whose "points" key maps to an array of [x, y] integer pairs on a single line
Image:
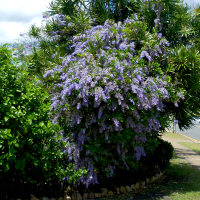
{"points": [[124, 189], [120, 190]]}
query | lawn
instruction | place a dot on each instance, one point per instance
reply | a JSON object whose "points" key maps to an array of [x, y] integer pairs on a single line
{"points": [[193, 146], [174, 135], [180, 182]]}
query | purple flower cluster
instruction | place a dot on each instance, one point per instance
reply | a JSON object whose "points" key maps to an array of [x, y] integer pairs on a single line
{"points": [[108, 92], [60, 20]]}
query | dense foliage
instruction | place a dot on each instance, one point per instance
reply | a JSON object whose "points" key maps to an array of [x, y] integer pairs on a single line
{"points": [[158, 155], [98, 10], [117, 73], [184, 69], [31, 150], [178, 24], [111, 92], [171, 17]]}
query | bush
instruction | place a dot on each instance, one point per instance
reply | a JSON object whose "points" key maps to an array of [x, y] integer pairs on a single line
{"points": [[31, 150], [110, 93], [158, 155]]}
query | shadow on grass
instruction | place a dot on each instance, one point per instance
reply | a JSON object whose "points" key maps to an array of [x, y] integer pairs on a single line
{"points": [[180, 180], [197, 151], [193, 146]]}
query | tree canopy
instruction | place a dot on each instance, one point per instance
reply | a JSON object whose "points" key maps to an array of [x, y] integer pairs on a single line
{"points": [[174, 20]]}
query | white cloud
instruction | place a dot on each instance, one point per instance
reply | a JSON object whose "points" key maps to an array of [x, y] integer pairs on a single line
{"points": [[14, 8], [192, 3], [10, 31], [16, 16]]}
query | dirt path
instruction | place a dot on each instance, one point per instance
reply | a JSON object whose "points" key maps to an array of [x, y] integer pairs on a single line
{"points": [[183, 152]]}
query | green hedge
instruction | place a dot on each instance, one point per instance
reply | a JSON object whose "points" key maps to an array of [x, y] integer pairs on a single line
{"points": [[31, 150]]}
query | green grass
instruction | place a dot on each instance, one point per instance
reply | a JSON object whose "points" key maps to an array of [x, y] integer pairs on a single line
{"points": [[190, 145], [181, 182], [173, 135], [193, 146]]}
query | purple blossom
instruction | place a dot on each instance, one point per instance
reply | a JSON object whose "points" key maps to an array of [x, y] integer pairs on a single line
{"points": [[139, 152], [53, 55], [132, 46], [134, 88], [176, 104], [100, 112], [164, 42], [135, 16], [103, 90], [55, 104], [106, 136], [116, 123], [159, 35], [180, 95], [130, 123], [175, 121], [79, 106], [48, 73], [131, 100], [157, 22], [119, 68], [123, 46], [145, 54], [118, 149], [127, 21], [102, 127]]}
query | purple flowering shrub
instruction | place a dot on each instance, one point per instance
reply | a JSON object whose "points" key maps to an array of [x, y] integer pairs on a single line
{"points": [[111, 93]]}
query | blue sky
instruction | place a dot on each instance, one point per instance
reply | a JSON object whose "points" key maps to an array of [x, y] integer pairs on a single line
{"points": [[16, 16]]}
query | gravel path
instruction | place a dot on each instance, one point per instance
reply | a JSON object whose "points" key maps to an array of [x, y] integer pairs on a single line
{"points": [[188, 155]]}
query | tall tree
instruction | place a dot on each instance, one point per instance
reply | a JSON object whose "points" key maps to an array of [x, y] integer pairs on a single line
{"points": [[171, 18]]}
